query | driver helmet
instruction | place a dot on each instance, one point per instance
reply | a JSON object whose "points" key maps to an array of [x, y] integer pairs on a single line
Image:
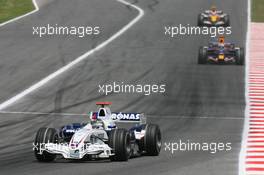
{"points": [[221, 40], [213, 9], [93, 116]]}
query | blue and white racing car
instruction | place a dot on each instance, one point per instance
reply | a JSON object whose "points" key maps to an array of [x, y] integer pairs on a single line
{"points": [[99, 138]]}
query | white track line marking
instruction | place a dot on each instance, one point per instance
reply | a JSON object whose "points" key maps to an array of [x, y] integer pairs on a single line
{"points": [[255, 139], [257, 130], [257, 114], [255, 154], [255, 159], [255, 173], [255, 149], [22, 16], [255, 144], [257, 105], [257, 127], [242, 154], [76, 61]]}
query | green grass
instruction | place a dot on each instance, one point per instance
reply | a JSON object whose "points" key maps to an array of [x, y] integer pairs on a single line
{"points": [[258, 10], [12, 8]]}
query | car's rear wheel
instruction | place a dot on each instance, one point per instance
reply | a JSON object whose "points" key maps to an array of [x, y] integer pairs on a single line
{"points": [[152, 140], [200, 20], [119, 141], [43, 136], [202, 55], [226, 21]]}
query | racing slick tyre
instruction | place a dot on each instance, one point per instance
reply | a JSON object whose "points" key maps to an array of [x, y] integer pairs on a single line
{"points": [[202, 55], [45, 135], [119, 141], [200, 20], [226, 21], [240, 56], [152, 140]]}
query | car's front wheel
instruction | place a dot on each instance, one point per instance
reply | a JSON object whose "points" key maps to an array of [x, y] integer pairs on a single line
{"points": [[240, 56], [43, 136], [119, 141], [202, 57]]}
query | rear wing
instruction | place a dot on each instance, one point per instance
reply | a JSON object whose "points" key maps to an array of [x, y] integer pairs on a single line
{"points": [[121, 117], [129, 117]]}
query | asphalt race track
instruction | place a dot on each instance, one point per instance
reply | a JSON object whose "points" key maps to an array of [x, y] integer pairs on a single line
{"points": [[202, 103]]}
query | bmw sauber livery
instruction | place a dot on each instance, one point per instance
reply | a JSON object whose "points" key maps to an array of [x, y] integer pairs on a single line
{"points": [[126, 116], [99, 138]]}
